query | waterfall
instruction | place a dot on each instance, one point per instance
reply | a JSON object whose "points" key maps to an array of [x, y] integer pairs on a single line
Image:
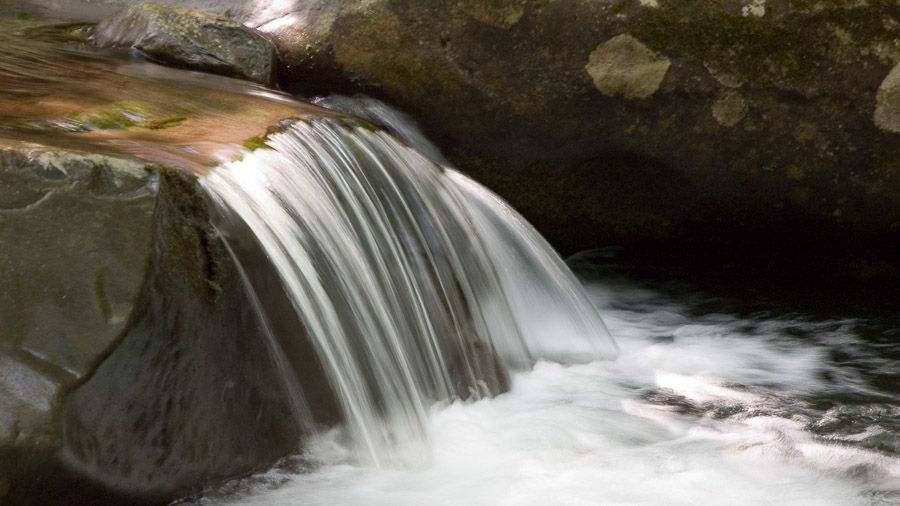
{"points": [[412, 281]]}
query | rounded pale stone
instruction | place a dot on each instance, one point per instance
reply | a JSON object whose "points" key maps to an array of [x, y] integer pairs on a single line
{"points": [[623, 65]]}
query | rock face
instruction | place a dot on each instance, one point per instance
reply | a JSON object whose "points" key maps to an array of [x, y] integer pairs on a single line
{"points": [[737, 115], [130, 366], [189, 39], [74, 231]]}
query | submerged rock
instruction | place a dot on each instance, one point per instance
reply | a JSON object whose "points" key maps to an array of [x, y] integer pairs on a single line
{"points": [[189, 39]]}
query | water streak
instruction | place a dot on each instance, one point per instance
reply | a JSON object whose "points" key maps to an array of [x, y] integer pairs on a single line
{"points": [[406, 276]]}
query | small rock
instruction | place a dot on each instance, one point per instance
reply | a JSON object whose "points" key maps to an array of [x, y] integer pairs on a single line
{"points": [[730, 108], [190, 39], [623, 65]]}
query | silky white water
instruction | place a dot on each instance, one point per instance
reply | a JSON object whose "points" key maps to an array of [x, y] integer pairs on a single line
{"points": [[708, 409], [396, 265], [413, 282]]}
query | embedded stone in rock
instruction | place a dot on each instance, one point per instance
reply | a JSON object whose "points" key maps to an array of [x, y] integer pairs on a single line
{"points": [[887, 102], [730, 108], [623, 65], [190, 39]]}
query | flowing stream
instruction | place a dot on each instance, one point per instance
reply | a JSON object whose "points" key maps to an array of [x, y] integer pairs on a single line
{"points": [[402, 272], [699, 407], [693, 405], [418, 289]]}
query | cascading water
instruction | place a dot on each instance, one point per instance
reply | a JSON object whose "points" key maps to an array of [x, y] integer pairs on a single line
{"points": [[410, 279], [399, 268]]}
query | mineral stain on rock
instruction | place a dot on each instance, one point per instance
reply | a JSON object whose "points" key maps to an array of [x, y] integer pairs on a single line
{"points": [[624, 65]]}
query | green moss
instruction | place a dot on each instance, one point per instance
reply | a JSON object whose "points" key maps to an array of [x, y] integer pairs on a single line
{"points": [[162, 124], [254, 143], [782, 48], [99, 120], [214, 286], [78, 33], [117, 116]]}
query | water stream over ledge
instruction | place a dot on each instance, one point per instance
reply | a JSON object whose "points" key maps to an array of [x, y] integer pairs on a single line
{"points": [[418, 288], [412, 281]]}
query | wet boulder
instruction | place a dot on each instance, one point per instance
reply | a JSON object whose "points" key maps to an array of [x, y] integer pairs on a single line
{"points": [[192, 394], [189, 39], [75, 234], [132, 367]]}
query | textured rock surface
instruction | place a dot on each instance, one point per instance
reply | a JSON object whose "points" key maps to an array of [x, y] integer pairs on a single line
{"points": [[756, 115], [190, 39], [130, 363], [75, 235], [191, 395]]}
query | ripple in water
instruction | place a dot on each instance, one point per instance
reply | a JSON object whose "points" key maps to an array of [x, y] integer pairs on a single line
{"points": [[696, 409]]}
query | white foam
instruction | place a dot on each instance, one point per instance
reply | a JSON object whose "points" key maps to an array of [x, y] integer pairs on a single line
{"points": [[702, 418]]}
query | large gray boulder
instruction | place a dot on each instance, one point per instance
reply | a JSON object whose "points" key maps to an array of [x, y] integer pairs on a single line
{"points": [[131, 365]]}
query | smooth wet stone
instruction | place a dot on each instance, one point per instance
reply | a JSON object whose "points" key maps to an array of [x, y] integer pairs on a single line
{"points": [[75, 233], [190, 397], [132, 366], [189, 39]]}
